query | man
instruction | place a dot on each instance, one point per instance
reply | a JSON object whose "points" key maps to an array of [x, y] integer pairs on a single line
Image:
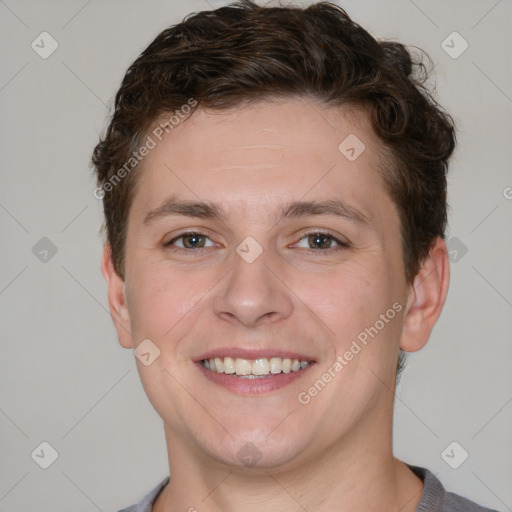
{"points": [[274, 187]]}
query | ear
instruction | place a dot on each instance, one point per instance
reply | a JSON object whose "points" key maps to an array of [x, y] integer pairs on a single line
{"points": [[426, 298], [116, 298]]}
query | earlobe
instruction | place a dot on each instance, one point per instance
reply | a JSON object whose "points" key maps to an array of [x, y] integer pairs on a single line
{"points": [[426, 299], [116, 298]]}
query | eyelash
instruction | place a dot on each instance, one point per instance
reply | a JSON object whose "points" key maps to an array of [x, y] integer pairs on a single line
{"points": [[341, 244]]}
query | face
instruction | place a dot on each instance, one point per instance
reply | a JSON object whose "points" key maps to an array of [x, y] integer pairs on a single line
{"points": [[266, 283]]}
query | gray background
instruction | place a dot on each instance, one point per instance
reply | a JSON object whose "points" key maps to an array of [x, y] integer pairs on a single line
{"points": [[65, 379]]}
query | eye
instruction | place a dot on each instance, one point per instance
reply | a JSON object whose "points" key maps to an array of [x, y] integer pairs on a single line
{"points": [[190, 240], [316, 241], [319, 240]]}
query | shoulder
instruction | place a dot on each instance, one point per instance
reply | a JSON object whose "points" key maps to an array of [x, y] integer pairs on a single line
{"points": [[436, 499], [146, 503], [455, 503]]}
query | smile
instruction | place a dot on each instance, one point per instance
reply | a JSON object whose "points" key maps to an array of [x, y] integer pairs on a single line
{"points": [[254, 368]]}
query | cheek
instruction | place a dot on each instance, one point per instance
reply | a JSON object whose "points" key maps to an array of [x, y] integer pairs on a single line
{"points": [[165, 299], [345, 299], [350, 303]]}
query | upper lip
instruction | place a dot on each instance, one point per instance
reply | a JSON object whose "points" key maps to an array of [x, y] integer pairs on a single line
{"points": [[244, 353]]}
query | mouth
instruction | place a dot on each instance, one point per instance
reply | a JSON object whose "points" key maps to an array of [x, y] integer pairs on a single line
{"points": [[253, 372], [259, 368]]}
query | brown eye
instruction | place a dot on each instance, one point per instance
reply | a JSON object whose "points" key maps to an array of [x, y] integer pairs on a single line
{"points": [[193, 240], [189, 240], [320, 241]]}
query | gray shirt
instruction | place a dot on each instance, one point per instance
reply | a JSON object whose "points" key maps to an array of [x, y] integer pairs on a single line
{"points": [[434, 497]]}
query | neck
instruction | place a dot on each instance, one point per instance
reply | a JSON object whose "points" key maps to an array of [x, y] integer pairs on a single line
{"points": [[358, 473]]}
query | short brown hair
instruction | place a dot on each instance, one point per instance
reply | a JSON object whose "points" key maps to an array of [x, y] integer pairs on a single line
{"points": [[246, 53]]}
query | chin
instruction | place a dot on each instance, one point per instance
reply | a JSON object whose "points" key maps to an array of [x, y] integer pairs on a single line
{"points": [[258, 449]]}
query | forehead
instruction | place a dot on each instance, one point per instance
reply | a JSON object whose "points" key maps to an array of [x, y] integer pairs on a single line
{"points": [[279, 129], [266, 153]]}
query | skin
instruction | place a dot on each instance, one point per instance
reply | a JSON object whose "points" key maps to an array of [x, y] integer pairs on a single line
{"points": [[334, 453]]}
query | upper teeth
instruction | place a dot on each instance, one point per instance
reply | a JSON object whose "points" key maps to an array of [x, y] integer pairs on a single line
{"points": [[262, 366]]}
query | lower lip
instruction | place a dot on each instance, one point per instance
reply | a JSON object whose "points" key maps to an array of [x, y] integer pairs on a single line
{"points": [[255, 386]]}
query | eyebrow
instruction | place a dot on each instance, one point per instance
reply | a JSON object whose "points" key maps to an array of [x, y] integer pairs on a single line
{"points": [[295, 209]]}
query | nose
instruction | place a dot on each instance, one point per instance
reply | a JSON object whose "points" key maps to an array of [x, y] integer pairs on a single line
{"points": [[253, 293]]}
